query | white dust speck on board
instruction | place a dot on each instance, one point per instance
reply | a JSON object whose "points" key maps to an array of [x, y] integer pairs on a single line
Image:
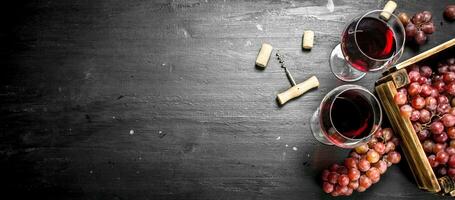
{"points": [[259, 27], [131, 132], [248, 43], [91, 171], [294, 148], [278, 138], [113, 117], [287, 145], [330, 5]]}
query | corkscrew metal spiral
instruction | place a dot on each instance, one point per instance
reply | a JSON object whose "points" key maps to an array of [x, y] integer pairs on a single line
{"points": [[288, 74]]}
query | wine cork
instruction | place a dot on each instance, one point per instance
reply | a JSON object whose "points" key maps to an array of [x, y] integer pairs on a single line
{"points": [[389, 7], [308, 38], [264, 55]]}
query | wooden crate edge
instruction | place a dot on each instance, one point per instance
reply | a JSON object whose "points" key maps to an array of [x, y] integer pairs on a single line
{"points": [[412, 149]]}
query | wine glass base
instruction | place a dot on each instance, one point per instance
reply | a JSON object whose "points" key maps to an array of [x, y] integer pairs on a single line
{"points": [[316, 128], [341, 69]]}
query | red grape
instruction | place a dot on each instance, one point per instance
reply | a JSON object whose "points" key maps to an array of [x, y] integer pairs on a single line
{"points": [[411, 30], [415, 115], [440, 138], [334, 167], [436, 127], [425, 89], [443, 108], [418, 102], [451, 133], [362, 149], [341, 189], [378, 133], [420, 38], [355, 155], [428, 146], [414, 76], [414, 89], [395, 141], [350, 163], [361, 189], [437, 147], [425, 116], [451, 161], [442, 157], [443, 69], [393, 157], [448, 120], [381, 165], [451, 172], [327, 187], [417, 18], [387, 134], [325, 175], [364, 182], [353, 174], [403, 91], [406, 110], [450, 88], [423, 134], [342, 170], [349, 191], [448, 77], [424, 80], [343, 180], [363, 165], [425, 71], [373, 156], [432, 161], [389, 146], [442, 171], [450, 150], [439, 85], [333, 177], [400, 99], [354, 184], [443, 100], [379, 147], [373, 173]]}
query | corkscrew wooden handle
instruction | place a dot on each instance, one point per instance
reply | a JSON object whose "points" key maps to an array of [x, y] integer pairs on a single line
{"points": [[297, 90]]}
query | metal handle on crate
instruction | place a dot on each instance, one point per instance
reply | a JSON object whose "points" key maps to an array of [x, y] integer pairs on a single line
{"points": [[447, 185]]}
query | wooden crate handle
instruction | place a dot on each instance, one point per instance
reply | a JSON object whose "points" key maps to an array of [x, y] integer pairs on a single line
{"points": [[425, 54]]}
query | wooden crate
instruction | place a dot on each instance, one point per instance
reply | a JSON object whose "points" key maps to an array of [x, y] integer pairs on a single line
{"points": [[386, 88]]}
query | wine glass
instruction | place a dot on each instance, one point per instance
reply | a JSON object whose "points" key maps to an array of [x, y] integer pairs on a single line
{"points": [[347, 117], [368, 43]]}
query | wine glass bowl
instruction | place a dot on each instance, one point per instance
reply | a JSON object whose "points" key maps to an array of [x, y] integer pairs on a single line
{"points": [[368, 43], [347, 117]]}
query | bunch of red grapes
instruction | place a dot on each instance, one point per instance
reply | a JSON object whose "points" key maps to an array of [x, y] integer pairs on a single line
{"points": [[418, 27], [429, 103], [364, 165]]}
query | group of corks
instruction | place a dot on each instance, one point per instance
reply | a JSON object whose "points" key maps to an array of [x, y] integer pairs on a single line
{"points": [[266, 49]]}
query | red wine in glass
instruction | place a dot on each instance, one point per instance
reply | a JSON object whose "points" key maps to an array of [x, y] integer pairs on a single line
{"points": [[368, 46], [347, 117], [368, 43], [352, 114]]}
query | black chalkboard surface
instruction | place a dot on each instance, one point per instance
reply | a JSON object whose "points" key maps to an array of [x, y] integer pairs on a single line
{"points": [[161, 99]]}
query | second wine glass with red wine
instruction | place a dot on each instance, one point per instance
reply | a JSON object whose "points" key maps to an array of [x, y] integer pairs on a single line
{"points": [[347, 117], [368, 43]]}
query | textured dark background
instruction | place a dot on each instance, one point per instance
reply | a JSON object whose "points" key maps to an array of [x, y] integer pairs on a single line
{"points": [[77, 76]]}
